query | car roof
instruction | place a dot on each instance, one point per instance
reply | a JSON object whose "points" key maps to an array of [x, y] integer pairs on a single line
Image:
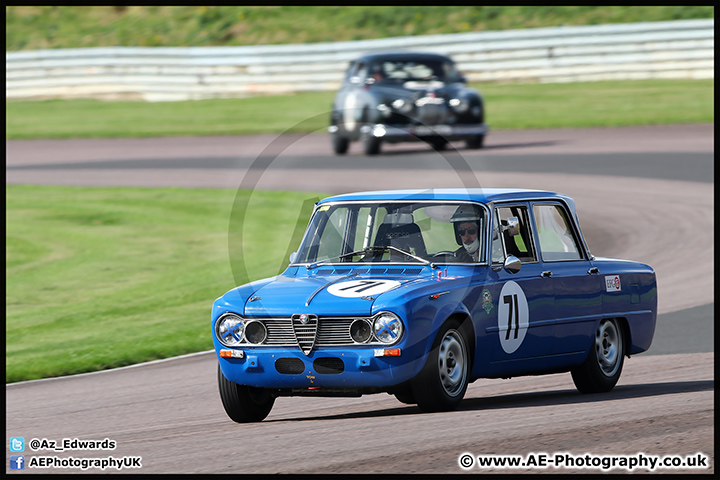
{"points": [[482, 195], [401, 55]]}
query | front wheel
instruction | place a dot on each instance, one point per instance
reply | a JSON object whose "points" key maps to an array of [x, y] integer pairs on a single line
{"points": [[242, 403], [475, 142], [339, 144], [442, 383], [371, 144], [438, 144], [601, 370]]}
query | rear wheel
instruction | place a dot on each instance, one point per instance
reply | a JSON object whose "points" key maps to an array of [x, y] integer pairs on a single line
{"points": [[242, 403], [442, 383], [601, 370]]}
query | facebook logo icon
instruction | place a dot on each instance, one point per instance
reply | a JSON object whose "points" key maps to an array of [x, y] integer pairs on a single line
{"points": [[17, 462]]}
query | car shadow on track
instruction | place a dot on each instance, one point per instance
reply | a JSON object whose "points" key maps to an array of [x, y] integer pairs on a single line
{"points": [[534, 399], [420, 148], [571, 396]]}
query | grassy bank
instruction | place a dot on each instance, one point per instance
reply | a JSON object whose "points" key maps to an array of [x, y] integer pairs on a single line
{"points": [[104, 277], [641, 102], [29, 28]]}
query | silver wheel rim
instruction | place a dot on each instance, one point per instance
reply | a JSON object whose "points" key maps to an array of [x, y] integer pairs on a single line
{"points": [[608, 348], [452, 363]]}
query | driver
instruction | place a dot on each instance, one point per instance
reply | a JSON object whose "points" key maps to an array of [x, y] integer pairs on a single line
{"points": [[466, 222], [377, 73]]}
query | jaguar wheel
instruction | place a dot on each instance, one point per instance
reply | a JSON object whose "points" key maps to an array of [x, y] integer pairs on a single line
{"points": [[601, 370], [242, 403], [439, 144], [475, 142], [371, 144], [339, 144]]}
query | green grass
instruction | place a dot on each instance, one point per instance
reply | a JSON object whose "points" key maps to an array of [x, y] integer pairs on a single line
{"points": [[510, 106], [74, 27], [105, 277]]}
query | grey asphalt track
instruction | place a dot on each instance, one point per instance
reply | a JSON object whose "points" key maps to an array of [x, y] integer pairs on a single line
{"points": [[641, 193]]}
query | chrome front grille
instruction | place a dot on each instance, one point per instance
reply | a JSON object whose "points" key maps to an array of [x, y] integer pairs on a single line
{"points": [[317, 332], [305, 330]]}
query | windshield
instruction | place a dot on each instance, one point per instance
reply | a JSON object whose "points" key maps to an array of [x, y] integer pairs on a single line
{"points": [[398, 232], [393, 71]]}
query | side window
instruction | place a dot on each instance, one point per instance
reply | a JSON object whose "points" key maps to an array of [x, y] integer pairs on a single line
{"points": [[349, 71], [513, 235], [555, 234]]}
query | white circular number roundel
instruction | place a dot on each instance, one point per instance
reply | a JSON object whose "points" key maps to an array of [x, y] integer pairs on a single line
{"points": [[361, 288], [512, 317]]}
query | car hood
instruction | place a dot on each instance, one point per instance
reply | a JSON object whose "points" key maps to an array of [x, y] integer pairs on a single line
{"points": [[325, 295]]}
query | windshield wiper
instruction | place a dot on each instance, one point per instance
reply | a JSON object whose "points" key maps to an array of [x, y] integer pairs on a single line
{"points": [[339, 257], [375, 250]]}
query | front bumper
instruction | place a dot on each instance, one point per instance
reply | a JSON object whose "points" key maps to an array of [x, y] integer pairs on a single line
{"points": [[408, 133], [348, 368]]}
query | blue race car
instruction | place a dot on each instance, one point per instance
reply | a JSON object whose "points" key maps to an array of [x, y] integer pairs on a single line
{"points": [[417, 293]]}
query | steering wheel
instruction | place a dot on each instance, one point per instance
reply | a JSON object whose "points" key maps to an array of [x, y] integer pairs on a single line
{"points": [[443, 253]]}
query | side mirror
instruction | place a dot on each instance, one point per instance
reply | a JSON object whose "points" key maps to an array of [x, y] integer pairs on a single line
{"points": [[356, 80], [513, 226], [512, 264], [293, 256]]}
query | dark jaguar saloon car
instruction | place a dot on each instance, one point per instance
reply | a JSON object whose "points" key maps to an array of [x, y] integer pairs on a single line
{"points": [[404, 96]]}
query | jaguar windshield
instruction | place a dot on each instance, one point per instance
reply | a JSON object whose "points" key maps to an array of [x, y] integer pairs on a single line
{"points": [[396, 232]]}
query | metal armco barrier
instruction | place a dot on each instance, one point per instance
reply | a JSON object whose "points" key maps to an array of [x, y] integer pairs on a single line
{"points": [[677, 49]]}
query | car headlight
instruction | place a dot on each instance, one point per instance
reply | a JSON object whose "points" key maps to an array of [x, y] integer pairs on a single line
{"points": [[459, 105], [387, 327], [230, 330], [384, 110], [255, 332], [360, 330], [402, 106]]}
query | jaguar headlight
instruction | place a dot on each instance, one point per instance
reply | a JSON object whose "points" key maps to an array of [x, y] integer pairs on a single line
{"points": [[459, 105], [384, 110], [387, 327], [230, 330], [402, 106]]}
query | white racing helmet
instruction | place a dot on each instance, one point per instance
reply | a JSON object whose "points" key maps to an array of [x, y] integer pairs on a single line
{"points": [[465, 214]]}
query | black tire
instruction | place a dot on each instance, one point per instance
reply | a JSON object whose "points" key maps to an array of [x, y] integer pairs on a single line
{"points": [[443, 381], [242, 403], [405, 396], [339, 144], [475, 142], [371, 144], [439, 144], [601, 370]]}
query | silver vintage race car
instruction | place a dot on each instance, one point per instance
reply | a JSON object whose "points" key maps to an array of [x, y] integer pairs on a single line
{"points": [[400, 97]]}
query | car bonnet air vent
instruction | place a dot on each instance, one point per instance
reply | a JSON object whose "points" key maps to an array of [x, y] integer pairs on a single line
{"points": [[371, 271]]}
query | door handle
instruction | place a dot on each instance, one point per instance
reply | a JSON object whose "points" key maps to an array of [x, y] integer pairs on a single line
{"points": [[547, 274], [593, 270]]}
